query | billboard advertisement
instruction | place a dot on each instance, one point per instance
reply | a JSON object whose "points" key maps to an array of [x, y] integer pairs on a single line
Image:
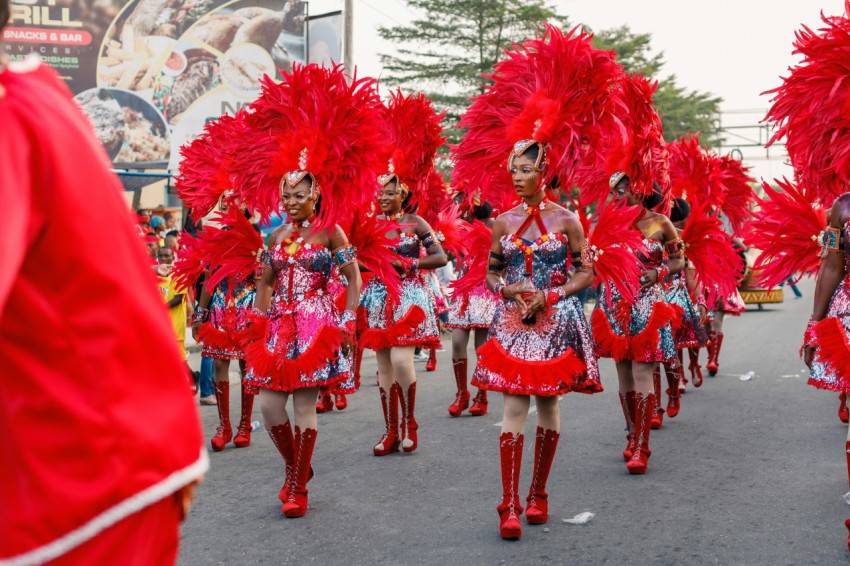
{"points": [[150, 73], [324, 39]]}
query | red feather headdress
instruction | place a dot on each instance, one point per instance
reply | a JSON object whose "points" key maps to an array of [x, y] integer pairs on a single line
{"points": [[811, 109], [412, 136], [316, 122], [474, 263], [452, 230], [690, 171], [635, 145], [433, 197], [708, 248], [205, 167], [730, 180], [554, 90], [786, 229]]}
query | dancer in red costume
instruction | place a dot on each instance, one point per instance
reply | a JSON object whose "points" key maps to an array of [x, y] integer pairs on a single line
{"points": [[224, 303], [101, 440], [544, 95], [638, 334], [311, 137], [473, 307], [810, 112], [394, 324]]}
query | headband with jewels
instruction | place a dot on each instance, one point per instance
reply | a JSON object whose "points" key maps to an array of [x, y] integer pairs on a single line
{"points": [[208, 162], [413, 134], [615, 178], [554, 89], [316, 123], [522, 146]]}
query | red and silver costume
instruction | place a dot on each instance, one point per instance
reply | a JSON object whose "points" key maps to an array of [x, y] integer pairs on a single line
{"points": [[100, 430]]}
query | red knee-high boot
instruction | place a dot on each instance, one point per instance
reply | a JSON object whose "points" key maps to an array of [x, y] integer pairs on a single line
{"points": [[224, 432], [673, 398], [389, 403], [409, 426], [510, 455], [843, 412], [431, 364], [281, 436], [545, 444], [658, 414], [713, 348], [462, 395], [358, 359], [694, 367], [627, 400], [643, 424], [243, 431], [296, 502], [324, 403]]}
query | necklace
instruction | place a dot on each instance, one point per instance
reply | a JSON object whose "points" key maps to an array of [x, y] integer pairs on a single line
{"points": [[394, 217], [535, 208], [294, 240]]}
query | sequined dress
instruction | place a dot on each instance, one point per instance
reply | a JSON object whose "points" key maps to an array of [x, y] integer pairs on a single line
{"points": [[299, 344], [473, 309], [554, 354], [229, 310], [641, 331], [831, 366], [386, 321], [689, 333]]}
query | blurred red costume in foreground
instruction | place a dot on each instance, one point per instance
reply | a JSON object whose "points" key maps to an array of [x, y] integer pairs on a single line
{"points": [[101, 436]]}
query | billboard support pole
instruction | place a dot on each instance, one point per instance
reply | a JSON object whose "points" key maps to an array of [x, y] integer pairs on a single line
{"points": [[347, 37]]}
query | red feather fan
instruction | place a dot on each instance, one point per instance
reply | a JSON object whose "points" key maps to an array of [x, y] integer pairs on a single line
{"points": [[433, 197], [635, 145], [811, 109], [191, 261], [474, 263], [453, 230], [234, 251], [206, 162], [374, 249], [412, 136], [317, 120], [554, 89], [616, 242], [730, 179], [690, 171], [709, 249], [785, 229]]}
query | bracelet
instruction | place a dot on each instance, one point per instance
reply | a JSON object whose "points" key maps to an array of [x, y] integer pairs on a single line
{"points": [[201, 315], [348, 321], [258, 313], [809, 336]]}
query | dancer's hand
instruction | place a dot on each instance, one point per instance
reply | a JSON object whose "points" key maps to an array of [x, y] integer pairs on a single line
{"points": [[703, 314], [808, 356], [648, 279], [534, 304], [196, 327]]}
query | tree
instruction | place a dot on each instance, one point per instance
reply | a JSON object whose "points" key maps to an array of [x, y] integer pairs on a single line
{"points": [[681, 110], [445, 52]]}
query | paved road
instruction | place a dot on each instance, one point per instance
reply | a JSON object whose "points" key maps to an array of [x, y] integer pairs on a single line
{"points": [[748, 473]]}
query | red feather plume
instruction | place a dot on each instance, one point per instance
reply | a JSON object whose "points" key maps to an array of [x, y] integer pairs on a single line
{"points": [[708, 248], [205, 166], [554, 89], [233, 251], [811, 109], [433, 197], [730, 179], [413, 134], [453, 229], [784, 228], [317, 120], [191, 262], [634, 141], [616, 242], [690, 171]]}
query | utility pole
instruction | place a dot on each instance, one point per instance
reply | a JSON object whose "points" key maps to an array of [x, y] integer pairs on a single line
{"points": [[347, 36]]}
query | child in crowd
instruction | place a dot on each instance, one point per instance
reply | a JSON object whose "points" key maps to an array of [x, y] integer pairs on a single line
{"points": [[176, 302]]}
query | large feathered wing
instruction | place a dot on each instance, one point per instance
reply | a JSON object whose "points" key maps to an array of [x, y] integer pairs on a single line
{"points": [[709, 249], [615, 242]]}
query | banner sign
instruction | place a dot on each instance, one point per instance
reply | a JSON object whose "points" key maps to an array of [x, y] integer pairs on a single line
{"points": [[150, 73]]}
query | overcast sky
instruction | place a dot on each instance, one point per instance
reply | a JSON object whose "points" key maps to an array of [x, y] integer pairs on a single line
{"points": [[735, 49]]}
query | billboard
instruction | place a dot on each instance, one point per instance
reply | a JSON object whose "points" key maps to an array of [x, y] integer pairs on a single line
{"points": [[150, 73]]}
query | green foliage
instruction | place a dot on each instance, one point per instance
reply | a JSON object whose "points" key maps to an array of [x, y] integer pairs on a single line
{"points": [[445, 50], [681, 110]]}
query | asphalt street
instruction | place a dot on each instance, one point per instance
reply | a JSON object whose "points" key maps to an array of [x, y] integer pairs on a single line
{"points": [[750, 472]]}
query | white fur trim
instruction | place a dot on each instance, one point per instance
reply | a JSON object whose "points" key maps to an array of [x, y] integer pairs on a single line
{"points": [[113, 515]]}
